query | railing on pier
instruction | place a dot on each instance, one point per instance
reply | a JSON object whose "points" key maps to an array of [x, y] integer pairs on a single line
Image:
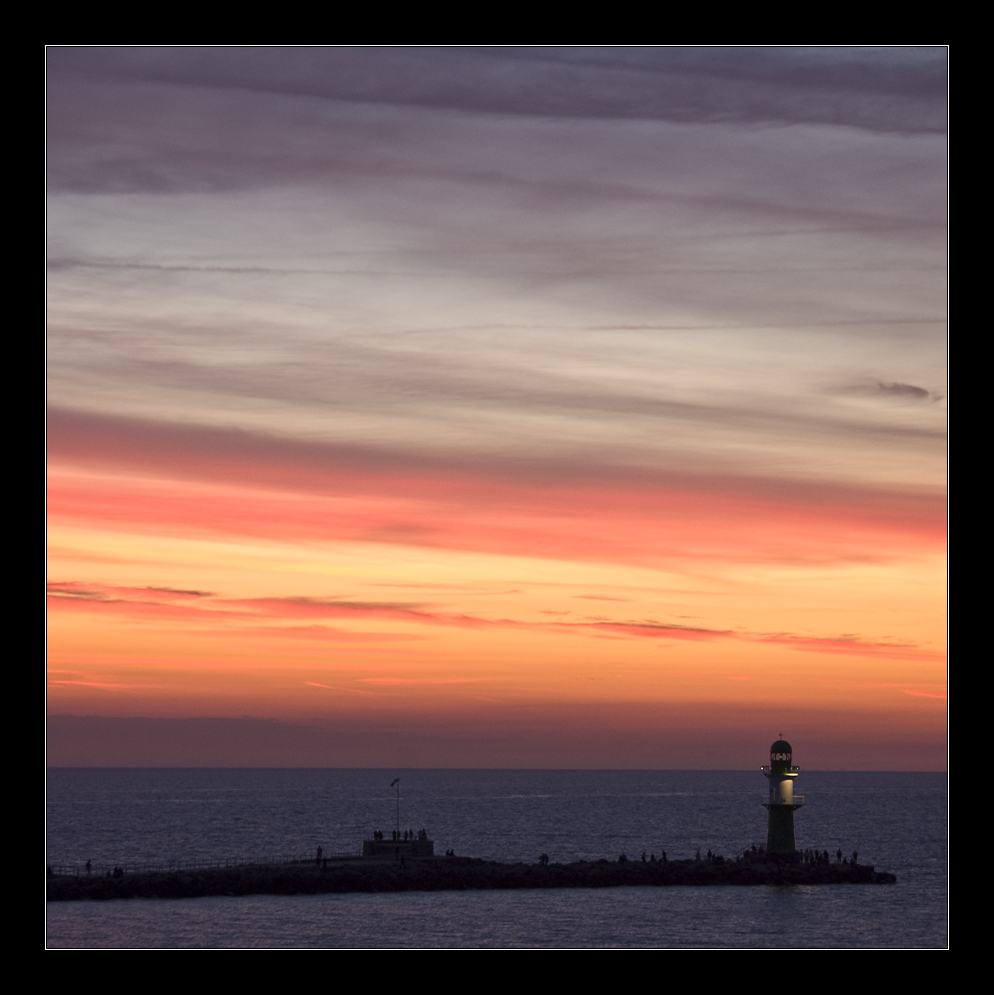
{"points": [[105, 870]]}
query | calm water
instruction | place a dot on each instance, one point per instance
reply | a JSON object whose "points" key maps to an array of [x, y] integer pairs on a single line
{"points": [[895, 821]]}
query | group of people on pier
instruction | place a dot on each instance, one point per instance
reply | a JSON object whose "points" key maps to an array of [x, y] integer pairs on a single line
{"points": [[824, 857], [396, 837]]}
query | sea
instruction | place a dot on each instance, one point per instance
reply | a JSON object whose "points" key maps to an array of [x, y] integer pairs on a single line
{"points": [[117, 817]]}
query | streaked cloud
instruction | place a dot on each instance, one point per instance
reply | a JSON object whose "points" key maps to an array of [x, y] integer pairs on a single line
{"points": [[417, 680], [244, 614]]}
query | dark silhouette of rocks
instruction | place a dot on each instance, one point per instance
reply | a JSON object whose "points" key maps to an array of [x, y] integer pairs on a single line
{"points": [[457, 874]]}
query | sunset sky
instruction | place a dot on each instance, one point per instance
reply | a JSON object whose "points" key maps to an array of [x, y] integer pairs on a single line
{"points": [[497, 407]]}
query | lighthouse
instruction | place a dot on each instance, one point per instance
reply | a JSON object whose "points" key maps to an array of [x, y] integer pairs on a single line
{"points": [[781, 801]]}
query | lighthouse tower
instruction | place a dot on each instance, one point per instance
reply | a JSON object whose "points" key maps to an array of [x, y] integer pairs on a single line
{"points": [[781, 801]]}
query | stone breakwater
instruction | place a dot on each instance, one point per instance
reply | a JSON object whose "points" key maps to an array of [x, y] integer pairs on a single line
{"points": [[453, 874]]}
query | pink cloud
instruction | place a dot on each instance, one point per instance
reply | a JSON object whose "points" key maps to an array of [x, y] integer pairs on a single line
{"points": [[152, 477]]}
